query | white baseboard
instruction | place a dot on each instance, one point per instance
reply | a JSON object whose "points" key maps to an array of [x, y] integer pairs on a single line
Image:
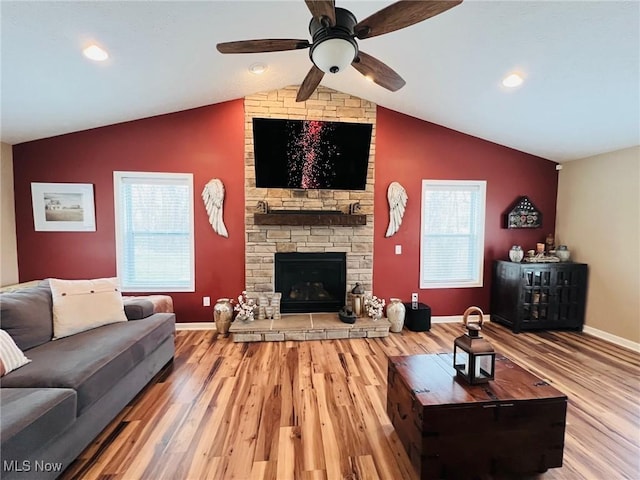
{"points": [[196, 326], [447, 319], [456, 318], [609, 337]]}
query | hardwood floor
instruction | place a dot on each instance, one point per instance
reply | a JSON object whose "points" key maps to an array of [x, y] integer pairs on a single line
{"points": [[316, 410]]}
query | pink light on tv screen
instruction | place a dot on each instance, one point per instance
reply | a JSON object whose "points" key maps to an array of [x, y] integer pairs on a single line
{"points": [[310, 142]]}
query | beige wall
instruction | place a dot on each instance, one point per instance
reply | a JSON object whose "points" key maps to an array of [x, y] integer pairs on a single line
{"points": [[9, 257], [598, 218]]}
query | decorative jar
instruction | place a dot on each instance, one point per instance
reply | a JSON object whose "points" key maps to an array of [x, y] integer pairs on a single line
{"points": [[516, 254], [395, 313], [563, 253], [222, 315]]}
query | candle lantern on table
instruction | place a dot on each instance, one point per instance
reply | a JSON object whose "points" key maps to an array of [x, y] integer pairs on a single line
{"points": [[474, 358]]}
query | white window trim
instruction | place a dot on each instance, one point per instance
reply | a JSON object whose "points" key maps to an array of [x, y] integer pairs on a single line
{"points": [[118, 177], [479, 281]]}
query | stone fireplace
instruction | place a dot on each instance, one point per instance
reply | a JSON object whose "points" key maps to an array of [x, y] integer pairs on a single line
{"points": [[311, 282], [263, 242]]}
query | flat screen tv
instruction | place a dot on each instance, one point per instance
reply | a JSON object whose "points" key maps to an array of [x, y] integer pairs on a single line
{"points": [[311, 154]]}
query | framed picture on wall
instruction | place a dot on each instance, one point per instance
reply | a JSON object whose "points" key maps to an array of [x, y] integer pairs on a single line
{"points": [[63, 207], [523, 214]]}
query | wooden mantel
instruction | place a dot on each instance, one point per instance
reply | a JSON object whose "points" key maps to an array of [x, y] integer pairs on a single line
{"points": [[309, 217]]}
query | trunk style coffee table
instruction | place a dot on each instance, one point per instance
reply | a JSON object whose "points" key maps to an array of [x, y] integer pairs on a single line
{"points": [[450, 429]]}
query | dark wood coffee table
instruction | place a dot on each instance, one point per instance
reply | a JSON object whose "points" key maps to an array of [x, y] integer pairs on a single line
{"points": [[513, 424]]}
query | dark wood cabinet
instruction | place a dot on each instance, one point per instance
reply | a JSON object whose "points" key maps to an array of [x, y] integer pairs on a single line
{"points": [[530, 296]]}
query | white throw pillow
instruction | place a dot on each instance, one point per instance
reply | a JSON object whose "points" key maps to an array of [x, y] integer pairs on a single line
{"points": [[80, 305], [11, 357]]}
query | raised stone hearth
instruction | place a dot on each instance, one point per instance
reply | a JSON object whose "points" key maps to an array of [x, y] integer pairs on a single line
{"points": [[307, 326]]}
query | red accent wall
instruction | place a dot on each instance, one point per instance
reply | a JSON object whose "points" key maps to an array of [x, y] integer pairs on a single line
{"points": [[409, 150], [207, 141]]}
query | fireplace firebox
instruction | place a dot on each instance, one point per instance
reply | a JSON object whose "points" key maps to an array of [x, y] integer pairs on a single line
{"points": [[311, 282]]}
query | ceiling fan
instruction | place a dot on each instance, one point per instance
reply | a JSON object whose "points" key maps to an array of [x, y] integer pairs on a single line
{"points": [[334, 32]]}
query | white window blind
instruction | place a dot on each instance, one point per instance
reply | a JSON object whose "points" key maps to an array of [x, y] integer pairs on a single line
{"points": [[154, 231], [452, 243]]}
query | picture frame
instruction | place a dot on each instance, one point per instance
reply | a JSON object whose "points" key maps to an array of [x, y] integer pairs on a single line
{"points": [[63, 207]]}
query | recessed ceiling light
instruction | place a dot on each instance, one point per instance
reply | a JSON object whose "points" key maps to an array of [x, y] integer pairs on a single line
{"points": [[513, 80], [95, 53], [258, 68]]}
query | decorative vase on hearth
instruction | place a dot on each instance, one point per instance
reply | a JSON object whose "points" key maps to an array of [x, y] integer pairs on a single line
{"points": [[395, 313], [222, 315]]}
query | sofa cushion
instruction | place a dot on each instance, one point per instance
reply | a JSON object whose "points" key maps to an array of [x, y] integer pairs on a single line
{"points": [[32, 417], [26, 316], [92, 362], [11, 357], [80, 305], [137, 308]]}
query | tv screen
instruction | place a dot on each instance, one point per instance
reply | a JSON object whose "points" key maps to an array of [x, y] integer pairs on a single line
{"points": [[311, 154]]}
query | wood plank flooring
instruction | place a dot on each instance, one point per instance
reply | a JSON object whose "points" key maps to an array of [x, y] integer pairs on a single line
{"points": [[317, 409]]}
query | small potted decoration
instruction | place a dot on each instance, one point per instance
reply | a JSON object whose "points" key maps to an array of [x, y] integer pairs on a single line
{"points": [[374, 307], [245, 308]]}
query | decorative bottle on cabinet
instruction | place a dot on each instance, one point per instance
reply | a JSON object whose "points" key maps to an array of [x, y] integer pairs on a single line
{"points": [[395, 313], [563, 253], [516, 254], [222, 314]]}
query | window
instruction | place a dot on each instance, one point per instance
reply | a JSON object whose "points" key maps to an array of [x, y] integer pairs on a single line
{"points": [[154, 231], [452, 242]]}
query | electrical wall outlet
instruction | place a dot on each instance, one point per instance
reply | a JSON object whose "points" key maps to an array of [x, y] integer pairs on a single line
{"points": [[398, 249], [206, 301], [414, 301]]}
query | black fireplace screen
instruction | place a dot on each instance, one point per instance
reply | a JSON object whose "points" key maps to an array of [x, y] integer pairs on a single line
{"points": [[311, 282]]}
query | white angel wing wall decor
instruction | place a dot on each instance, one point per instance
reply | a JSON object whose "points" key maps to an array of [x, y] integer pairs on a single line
{"points": [[397, 196], [213, 196]]}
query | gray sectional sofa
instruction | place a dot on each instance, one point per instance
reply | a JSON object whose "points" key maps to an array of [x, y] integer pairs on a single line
{"points": [[53, 407]]}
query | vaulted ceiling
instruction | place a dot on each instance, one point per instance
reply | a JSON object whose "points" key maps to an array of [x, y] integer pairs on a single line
{"points": [[580, 61]]}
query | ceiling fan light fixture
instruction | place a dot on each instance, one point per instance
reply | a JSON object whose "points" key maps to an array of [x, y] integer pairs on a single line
{"points": [[95, 53], [513, 80], [334, 54], [257, 68]]}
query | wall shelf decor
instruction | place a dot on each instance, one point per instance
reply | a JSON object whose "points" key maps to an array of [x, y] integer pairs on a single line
{"points": [[523, 214]]}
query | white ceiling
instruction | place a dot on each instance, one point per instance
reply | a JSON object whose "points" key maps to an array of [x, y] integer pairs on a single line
{"points": [[581, 60]]}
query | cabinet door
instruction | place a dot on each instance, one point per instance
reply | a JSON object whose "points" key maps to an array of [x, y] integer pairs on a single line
{"points": [[569, 289], [537, 288]]}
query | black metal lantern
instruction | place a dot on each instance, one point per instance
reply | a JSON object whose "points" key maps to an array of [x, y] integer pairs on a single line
{"points": [[357, 300], [473, 357]]}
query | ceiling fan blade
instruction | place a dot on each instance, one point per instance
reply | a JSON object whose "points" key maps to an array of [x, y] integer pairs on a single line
{"points": [[323, 8], [309, 84], [400, 15], [377, 71], [259, 46]]}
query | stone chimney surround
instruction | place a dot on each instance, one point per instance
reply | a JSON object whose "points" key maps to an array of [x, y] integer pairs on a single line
{"points": [[263, 239]]}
